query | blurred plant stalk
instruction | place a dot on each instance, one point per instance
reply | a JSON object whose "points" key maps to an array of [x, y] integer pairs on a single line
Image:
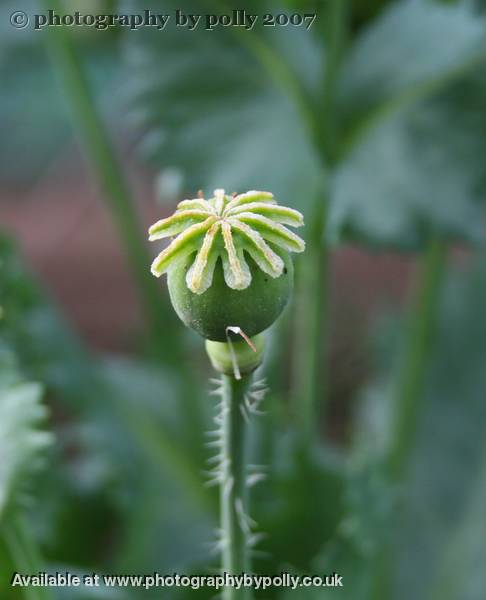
{"points": [[313, 320], [415, 357], [102, 156], [413, 365], [25, 555]]}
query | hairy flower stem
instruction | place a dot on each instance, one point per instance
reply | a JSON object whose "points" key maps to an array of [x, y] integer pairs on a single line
{"points": [[234, 490], [25, 555], [101, 154]]}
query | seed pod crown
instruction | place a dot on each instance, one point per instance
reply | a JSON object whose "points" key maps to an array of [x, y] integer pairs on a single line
{"points": [[227, 227]]}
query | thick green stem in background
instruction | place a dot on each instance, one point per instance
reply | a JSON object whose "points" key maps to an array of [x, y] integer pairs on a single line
{"points": [[101, 154], [415, 356], [412, 371], [234, 489], [312, 324], [25, 555], [336, 21], [312, 335]]}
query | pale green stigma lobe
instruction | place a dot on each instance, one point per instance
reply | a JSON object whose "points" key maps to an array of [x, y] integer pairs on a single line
{"points": [[200, 275], [227, 227], [178, 222]]}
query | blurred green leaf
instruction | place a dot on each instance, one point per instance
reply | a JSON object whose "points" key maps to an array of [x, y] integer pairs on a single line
{"points": [[441, 492], [207, 106], [295, 519], [46, 347], [413, 48], [28, 110], [416, 95], [460, 572], [146, 399], [34, 118], [22, 442], [359, 530]]}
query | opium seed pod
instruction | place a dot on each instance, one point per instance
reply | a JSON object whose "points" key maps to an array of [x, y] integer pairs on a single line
{"points": [[228, 263]]}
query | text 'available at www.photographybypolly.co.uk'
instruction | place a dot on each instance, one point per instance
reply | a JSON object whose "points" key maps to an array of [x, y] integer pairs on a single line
{"points": [[175, 580]]}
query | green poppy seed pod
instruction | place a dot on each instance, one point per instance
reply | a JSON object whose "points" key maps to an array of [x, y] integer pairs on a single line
{"points": [[228, 264], [253, 309]]}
